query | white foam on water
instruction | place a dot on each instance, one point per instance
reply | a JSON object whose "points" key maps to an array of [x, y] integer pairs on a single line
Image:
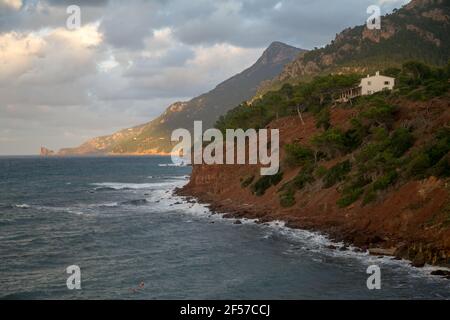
{"points": [[165, 177], [77, 212], [172, 165], [131, 186], [104, 205], [311, 241], [23, 206], [319, 243]]}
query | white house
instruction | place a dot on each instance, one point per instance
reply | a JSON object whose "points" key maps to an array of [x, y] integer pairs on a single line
{"points": [[376, 83]]}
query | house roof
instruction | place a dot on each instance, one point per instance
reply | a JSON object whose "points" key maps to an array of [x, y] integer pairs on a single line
{"points": [[378, 75]]}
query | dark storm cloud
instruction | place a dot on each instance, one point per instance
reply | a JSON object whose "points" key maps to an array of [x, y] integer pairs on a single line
{"points": [[126, 26], [254, 23], [33, 15], [247, 23]]}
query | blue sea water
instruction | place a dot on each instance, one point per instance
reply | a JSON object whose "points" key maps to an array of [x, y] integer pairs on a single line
{"points": [[117, 219]]}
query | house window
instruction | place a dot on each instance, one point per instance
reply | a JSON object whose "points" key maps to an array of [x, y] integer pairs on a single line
{"points": [[369, 83], [386, 83]]}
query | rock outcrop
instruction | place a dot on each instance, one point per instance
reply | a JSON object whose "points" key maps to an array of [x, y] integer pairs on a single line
{"points": [[46, 152]]}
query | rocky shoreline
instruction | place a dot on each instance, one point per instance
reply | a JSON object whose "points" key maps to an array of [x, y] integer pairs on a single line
{"points": [[417, 253]]}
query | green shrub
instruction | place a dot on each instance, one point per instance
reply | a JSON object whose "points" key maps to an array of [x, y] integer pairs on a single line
{"points": [[380, 135], [369, 152], [350, 197], [353, 190], [304, 177], [413, 73], [380, 113], [334, 140], [385, 152], [352, 139], [392, 72], [359, 181], [427, 160], [419, 164], [417, 95], [369, 197], [320, 172], [287, 198], [385, 181], [400, 142], [441, 145], [442, 168], [330, 142], [356, 134], [418, 81], [246, 181], [436, 88], [337, 173], [297, 155], [323, 119], [265, 182]]}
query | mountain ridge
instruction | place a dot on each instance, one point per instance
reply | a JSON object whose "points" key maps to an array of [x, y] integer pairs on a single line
{"points": [[416, 31], [154, 137]]}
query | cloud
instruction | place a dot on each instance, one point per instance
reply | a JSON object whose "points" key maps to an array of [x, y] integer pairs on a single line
{"points": [[48, 68], [34, 15], [127, 26], [11, 4], [131, 59], [81, 3]]}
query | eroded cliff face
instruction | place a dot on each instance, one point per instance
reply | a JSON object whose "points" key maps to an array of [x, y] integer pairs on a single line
{"points": [[412, 217]]}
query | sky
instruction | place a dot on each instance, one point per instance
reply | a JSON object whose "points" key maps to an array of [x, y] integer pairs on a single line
{"points": [[129, 60]]}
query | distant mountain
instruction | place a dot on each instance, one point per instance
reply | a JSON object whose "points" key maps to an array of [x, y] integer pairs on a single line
{"points": [[417, 31], [154, 137]]}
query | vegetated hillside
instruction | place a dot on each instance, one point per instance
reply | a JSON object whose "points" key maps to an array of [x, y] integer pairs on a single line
{"points": [[102, 145], [417, 31], [374, 171], [154, 137]]}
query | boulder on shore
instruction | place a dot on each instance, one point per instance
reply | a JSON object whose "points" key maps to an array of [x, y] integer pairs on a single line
{"points": [[382, 252]]}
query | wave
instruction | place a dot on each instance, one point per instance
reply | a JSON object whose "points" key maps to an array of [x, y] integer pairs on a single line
{"points": [[136, 202], [113, 186], [77, 212], [106, 205], [166, 177], [182, 164], [23, 206], [100, 189]]}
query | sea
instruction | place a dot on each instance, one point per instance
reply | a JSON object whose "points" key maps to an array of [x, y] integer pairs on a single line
{"points": [[118, 222]]}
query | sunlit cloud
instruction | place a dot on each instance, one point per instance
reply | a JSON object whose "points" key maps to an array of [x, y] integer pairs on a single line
{"points": [[13, 4]]}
